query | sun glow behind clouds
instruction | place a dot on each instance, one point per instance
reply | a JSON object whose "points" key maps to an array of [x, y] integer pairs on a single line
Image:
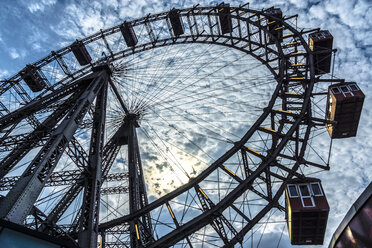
{"points": [[196, 101], [164, 179]]}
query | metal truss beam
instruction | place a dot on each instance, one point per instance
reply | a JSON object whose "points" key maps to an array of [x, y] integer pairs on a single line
{"points": [[75, 150], [77, 154], [9, 142], [59, 209], [175, 221], [34, 138], [265, 178], [20, 199], [110, 152], [39, 104], [218, 221], [62, 178], [114, 190], [303, 161], [62, 63]]}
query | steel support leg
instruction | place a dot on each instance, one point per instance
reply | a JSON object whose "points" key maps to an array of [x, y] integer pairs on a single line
{"points": [[88, 226], [134, 196], [140, 229], [18, 202]]}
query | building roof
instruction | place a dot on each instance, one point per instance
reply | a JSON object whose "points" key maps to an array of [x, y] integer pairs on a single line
{"points": [[355, 208]]}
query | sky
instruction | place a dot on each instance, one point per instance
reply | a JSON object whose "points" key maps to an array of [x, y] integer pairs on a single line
{"points": [[29, 30]]}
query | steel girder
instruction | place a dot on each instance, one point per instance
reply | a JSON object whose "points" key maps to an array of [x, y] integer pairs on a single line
{"points": [[61, 178], [24, 143], [89, 218], [140, 228], [110, 152], [34, 138], [20, 199], [38, 104]]}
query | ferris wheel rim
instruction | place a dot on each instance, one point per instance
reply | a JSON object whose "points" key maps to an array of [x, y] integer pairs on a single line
{"points": [[241, 142]]}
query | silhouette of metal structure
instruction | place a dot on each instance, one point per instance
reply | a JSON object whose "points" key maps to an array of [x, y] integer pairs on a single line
{"points": [[74, 96]]}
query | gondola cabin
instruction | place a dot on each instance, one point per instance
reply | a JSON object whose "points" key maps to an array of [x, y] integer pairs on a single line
{"points": [[306, 211], [33, 79], [224, 16], [274, 27], [344, 106], [176, 22], [81, 53], [129, 35], [321, 44]]}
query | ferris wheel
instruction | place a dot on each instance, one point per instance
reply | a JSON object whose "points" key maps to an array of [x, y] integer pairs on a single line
{"points": [[188, 128]]}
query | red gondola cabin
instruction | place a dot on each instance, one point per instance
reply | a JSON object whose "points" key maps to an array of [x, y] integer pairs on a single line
{"points": [[344, 106], [321, 44], [306, 211]]}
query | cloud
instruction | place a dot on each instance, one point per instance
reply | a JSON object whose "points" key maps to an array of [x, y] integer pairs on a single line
{"points": [[14, 54], [35, 6], [36, 46], [83, 19], [318, 12], [3, 73]]}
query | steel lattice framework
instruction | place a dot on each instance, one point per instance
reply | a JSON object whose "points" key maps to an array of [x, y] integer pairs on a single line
{"points": [[76, 98]]}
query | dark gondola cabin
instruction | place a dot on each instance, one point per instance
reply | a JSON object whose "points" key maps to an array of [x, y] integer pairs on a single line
{"points": [[306, 211], [321, 44], [81, 53], [129, 35], [274, 27], [33, 79], [176, 22], [344, 106], [225, 18]]}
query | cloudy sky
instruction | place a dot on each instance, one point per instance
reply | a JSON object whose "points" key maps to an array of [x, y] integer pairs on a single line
{"points": [[30, 29]]}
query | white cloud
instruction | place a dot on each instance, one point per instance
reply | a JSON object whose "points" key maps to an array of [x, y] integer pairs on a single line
{"points": [[299, 3], [318, 12], [85, 20], [112, 3], [3, 73], [36, 46], [17, 53], [35, 6], [14, 54]]}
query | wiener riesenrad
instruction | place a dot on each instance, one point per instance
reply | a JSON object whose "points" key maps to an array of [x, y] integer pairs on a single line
{"points": [[196, 127]]}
